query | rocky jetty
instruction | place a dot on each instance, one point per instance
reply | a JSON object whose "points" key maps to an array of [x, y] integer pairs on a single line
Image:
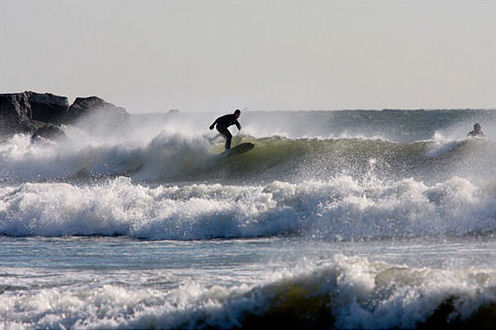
{"points": [[47, 107], [42, 115], [15, 113]]}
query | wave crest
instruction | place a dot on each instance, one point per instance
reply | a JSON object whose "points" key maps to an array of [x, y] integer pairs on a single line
{"points": [[340, 208]]}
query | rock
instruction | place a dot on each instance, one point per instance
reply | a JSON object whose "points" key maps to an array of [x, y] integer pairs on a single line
{"points": [[42, 114], [97, 116], [47, 107], [48, 131], [15, 112], [84, 106]]}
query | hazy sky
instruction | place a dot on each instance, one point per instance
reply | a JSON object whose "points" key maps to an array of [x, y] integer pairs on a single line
{"points": [[217, 55]]}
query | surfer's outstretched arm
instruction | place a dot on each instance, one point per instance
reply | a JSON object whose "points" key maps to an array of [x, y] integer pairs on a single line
{"points": [[213, 124]]}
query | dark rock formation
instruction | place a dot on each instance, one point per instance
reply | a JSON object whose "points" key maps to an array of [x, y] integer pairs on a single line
{"points": [[97, 117], [42, 114], [85, 106], [15, 112], [47, 107]]}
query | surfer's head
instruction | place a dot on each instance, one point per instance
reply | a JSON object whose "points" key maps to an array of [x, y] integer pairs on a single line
{"points": [[477, 127], [237, 113]]}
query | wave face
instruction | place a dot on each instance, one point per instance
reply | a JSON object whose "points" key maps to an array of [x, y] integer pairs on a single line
{"points": [[173, 158]]}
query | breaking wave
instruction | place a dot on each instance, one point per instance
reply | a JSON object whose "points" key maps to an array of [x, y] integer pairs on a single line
{"points": [[340, 208], [346, 292], [179, 158]]}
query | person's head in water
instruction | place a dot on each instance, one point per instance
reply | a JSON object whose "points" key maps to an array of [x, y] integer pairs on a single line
{"points": [[477, 130], [237, 113]]}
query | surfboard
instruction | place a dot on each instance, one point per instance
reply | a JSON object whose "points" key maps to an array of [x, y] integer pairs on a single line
{"points": [[239, 149]]}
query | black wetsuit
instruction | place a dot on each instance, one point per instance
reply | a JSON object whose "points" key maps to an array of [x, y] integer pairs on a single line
{"points": [[223, 123], [476, 133]]}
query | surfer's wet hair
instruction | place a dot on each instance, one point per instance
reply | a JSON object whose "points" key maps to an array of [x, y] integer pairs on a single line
{"points": [[237, 111]]}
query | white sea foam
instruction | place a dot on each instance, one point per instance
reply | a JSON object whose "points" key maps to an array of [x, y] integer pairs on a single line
{"points": [[341, 208], [440, 145]]}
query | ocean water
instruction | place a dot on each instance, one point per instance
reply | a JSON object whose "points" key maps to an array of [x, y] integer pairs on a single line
{"points": [[336, 219]]}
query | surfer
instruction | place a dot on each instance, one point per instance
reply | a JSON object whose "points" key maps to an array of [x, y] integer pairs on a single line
{"points": [[477, 131], [224, 122]]}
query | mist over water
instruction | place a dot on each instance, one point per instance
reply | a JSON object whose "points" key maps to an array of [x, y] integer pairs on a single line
{"points": [[351, 219]]}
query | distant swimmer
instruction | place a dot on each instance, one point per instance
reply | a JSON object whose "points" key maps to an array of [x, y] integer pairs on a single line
{"points": [[477, 131], [224, 122]]}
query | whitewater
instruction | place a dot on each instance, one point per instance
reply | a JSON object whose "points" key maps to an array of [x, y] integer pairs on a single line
{"points": [[336, 219]]}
